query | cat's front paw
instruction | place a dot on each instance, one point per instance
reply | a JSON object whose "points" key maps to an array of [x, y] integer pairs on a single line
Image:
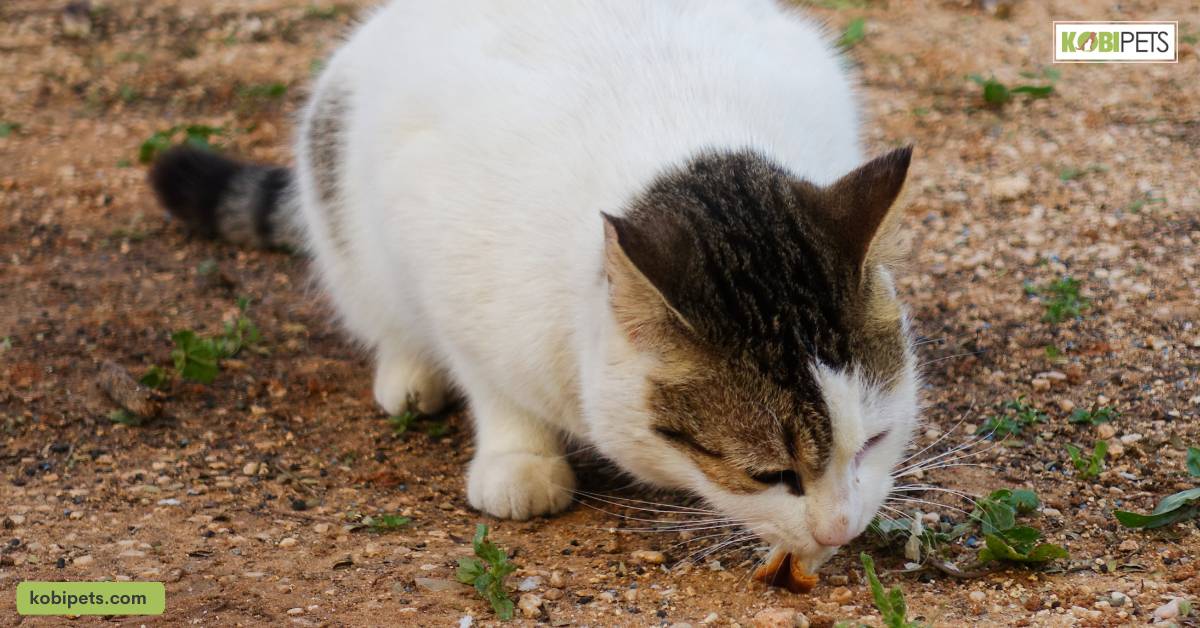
{"points": [[519, 485]]}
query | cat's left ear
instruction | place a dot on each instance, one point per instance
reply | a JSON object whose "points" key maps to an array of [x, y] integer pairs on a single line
{"points": [[860, 206], [639, 269]]}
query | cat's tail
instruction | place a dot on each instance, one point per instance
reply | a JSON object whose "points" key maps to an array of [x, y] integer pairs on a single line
{"points": [[219, 197]]}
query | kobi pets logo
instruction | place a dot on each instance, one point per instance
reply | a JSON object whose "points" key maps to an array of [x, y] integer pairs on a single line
{"points": [[1116, 42]]}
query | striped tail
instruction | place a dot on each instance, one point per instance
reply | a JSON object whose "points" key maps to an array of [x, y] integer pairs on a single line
{"points": [[218, 197]]}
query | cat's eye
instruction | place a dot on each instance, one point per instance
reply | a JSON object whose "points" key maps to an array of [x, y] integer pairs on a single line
{"points": [[786, 477], [875, 440], [871, 442], [686, 440]]}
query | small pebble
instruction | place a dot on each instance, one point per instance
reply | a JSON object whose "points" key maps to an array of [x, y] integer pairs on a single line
{"points": [[1118, 599], [1129, 439], [466, 621], [710, 618], [553, 594], [83, 561], [530, 605], [529, 584], [1106, 431], [556, 580], [780, 618], [295, 611], [977, 596], [288, 542], [842, 595], [1128, 545], [650, 557], [1167, 611]]}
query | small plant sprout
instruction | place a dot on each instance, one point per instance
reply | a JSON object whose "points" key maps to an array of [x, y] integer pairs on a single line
{"points": [[401, 422], [386, 523], [195, 358], [197, 135], [1015, 416], [240, 332], [1088, 467], [1094, 416], [855, 32], [997, 94], [125, 417], [892, 608], [155, 378], [1061, 299], [486, 571]]}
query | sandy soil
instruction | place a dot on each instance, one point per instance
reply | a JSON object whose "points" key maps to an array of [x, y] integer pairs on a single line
{"points": [[246, 496]]}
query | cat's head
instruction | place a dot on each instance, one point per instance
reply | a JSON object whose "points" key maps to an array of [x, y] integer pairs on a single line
{"points": [[757, 354]]}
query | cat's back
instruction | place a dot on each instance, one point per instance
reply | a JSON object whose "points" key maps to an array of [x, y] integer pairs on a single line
{"points": [[600, 95]]}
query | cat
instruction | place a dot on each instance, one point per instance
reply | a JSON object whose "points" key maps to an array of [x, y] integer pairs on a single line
{"points": [[639, 225]]}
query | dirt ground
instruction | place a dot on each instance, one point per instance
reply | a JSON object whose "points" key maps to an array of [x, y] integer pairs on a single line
{"points": [[246, 496]]}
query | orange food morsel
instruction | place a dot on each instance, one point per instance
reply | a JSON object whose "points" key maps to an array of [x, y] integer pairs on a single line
{"points": [[782, 571]]}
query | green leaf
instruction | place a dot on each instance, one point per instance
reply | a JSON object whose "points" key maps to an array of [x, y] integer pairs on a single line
{"points": [[388, 523], [1193, 461], [154, 145], [503, 606], [1034, 91], [154, 378], [125, 417], [487, 573], [1021, 536], [892, 608], [195, 358], [856, 30], [997, 548], [1024, 500], [469, 570], [1178, 507], [1094, 416], [401, 422]]}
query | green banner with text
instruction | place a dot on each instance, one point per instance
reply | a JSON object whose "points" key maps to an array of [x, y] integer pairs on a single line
{"points": [[91, 598]]}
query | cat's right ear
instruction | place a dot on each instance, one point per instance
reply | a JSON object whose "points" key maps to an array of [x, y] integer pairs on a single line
{"points": [[640, 308]]}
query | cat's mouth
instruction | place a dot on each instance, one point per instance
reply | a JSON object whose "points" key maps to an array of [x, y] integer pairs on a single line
{"points": [[786, 570]]}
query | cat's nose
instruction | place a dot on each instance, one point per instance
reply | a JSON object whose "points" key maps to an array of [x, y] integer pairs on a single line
{"points": [[834, 533]]}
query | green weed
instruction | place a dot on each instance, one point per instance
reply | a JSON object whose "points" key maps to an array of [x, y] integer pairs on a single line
{"points": [[1003, 539], [486, 571], [855, 32], [125, 417], [1061, 299], [196, 135], [386, 523], [997, 94], [891, 605], [1015, 416], [1088, 467], [1094, 416]]}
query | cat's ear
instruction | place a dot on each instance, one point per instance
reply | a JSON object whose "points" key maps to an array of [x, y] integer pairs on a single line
{"points": [[638, 302], [860, 206]]}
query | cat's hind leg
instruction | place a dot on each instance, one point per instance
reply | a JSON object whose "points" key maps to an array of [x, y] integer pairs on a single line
{"points": [[405, 382], [519, 469]]}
